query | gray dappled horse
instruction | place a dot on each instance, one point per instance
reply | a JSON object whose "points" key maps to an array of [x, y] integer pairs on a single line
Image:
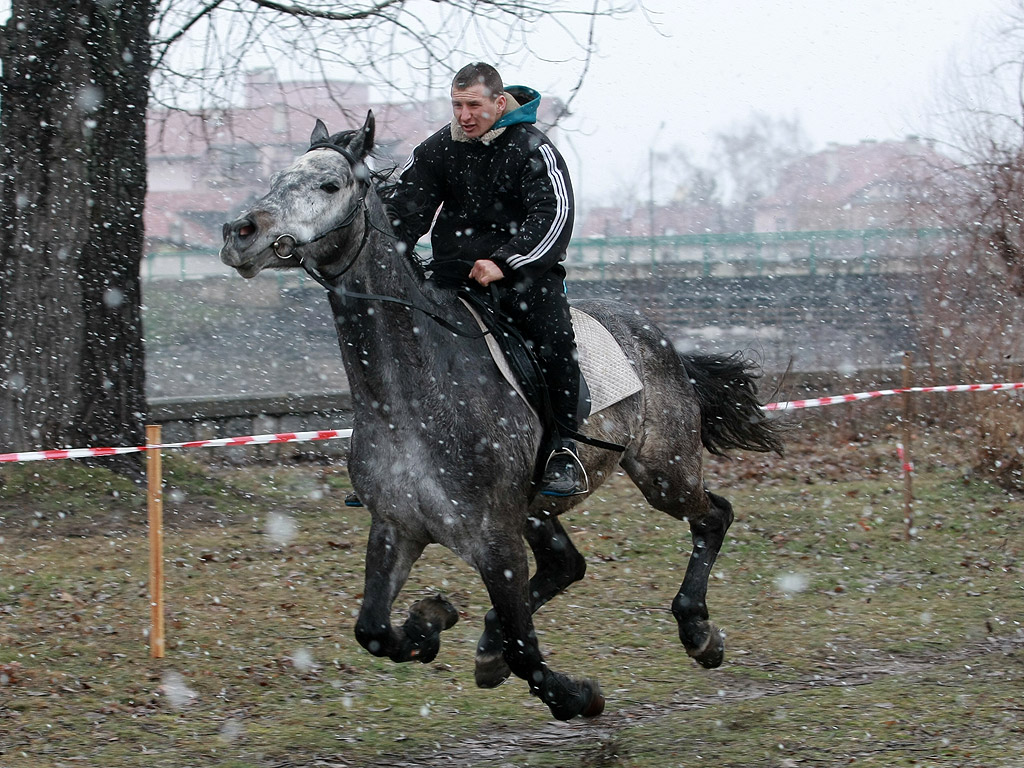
{"points": [[441, 452]]}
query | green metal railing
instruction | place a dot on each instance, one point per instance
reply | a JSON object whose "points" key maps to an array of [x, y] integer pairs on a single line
{"points": [[728, 253], [184, 264], [758, 253]]}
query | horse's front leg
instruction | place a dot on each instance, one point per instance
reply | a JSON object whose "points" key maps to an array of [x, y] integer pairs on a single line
{"points": [[701, 638], [389, 558], [505, 572], [559, 564]]}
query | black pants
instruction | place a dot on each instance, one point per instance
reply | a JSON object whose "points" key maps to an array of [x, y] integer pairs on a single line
{"points": [[540, 312]]}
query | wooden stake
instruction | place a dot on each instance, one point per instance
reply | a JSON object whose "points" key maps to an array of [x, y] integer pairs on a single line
{"points": [[155, 504], [908, 481]]}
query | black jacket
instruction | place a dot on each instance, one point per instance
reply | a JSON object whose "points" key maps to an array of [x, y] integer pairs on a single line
{"points": [[505, 196]]}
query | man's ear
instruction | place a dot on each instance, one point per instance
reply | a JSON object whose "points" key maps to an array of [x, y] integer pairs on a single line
{"points": [[362, 141], [319, 133]]}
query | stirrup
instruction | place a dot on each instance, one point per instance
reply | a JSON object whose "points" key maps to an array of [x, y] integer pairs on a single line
{"points": [[580, 482], [352, 500]]}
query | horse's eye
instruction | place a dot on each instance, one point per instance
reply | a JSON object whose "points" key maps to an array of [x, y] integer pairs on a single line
{"points": [[330, 187]]}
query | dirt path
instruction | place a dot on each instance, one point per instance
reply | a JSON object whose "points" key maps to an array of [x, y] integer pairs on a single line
{"points": [[594, 743]]}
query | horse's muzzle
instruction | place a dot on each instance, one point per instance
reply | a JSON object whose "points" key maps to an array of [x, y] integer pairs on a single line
{"points": [[242, 231], [238, 236]]}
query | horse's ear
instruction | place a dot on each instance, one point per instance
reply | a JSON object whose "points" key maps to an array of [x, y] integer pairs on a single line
{"points": [[362, 141], [319, 133]]}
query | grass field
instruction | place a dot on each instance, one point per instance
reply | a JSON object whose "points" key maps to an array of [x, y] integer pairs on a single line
{"points": [[845, 643]]}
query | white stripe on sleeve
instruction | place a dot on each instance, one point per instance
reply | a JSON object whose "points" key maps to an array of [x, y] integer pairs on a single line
{"points": [[550, 237]]}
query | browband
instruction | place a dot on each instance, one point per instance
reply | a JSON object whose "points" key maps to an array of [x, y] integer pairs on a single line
{"points": [[352, 159]]}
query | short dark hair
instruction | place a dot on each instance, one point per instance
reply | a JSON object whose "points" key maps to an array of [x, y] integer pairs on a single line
{"points": [[479, 73]]}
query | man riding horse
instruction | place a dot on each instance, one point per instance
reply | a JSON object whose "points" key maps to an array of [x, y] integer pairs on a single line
{"points": [[440, 452], [506, 213]]}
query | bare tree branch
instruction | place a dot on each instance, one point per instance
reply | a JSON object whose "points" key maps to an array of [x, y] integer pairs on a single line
{"points": [[983, 123], [185, 27], [202, 46], [305, 10]]}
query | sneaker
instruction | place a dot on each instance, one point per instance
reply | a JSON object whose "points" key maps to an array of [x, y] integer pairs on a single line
{"points": [[352, 500], [564, 474]]}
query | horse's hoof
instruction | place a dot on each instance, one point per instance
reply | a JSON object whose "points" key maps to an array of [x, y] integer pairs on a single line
{"points": [[574, 698], [436, 612], [711, 652], [428, 618], [491, 670], [596, 705]]}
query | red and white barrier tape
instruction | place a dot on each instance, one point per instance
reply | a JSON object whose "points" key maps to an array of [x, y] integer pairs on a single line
{"points": [[832, 400], [82, 453], [331, 434]]}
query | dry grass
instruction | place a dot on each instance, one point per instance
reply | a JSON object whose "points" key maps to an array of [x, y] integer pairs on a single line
{"points": [[846, 644]]}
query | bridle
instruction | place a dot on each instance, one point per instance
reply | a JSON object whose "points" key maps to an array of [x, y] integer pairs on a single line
{"points": [[285, 245]]}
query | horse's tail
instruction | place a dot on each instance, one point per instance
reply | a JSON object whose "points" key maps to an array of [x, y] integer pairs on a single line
{"points": [[730, 413]]}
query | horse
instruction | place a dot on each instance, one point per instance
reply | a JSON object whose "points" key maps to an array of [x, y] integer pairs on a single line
{"points": [[440, 451]]}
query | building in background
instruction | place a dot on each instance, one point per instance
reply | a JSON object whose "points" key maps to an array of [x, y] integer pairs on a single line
{"points": [[864, 186], [205, 167], [869, 185]]}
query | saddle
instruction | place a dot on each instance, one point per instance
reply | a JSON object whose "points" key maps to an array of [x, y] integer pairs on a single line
{"points": [[606, 376]]}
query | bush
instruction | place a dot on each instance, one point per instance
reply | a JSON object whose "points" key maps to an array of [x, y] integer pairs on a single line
{"points": [[999, 447]]}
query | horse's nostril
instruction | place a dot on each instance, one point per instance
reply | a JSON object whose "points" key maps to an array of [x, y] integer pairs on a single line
{"points": [[242, 229]]}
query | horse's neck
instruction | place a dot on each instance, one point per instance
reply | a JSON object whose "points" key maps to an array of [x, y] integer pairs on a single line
{"points": [[388, 349]]}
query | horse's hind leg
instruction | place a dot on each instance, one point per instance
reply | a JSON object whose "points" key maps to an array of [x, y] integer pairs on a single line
{"points": [[504, 569], [679, 491], [559, 564], [389, 558], [702, 639]]}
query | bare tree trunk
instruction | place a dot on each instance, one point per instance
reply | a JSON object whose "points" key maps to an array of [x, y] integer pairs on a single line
{"points": [[73, 96], [72, 189]]}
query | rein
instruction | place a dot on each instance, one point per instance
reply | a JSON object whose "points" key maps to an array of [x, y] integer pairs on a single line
{"points": [[284, 249], [340, 290], [331, 284]]}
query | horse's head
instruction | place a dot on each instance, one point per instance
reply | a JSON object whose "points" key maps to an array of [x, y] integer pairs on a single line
{"points": [[322, 193]]}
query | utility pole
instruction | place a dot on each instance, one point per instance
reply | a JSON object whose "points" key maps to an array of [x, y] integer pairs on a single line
{"points": [[650, 191]]}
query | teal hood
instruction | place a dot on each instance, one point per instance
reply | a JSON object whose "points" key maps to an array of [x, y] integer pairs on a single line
{"points": [[527, 99]]}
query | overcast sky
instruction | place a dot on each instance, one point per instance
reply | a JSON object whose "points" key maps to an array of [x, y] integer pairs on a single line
{"points": [[848, 69], [684, 70]]}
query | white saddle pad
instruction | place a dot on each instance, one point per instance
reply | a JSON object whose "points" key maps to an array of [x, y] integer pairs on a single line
{"points": [[609, 375]]}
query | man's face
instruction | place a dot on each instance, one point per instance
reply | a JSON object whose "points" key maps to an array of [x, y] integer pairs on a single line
{"points": [[475, 110]]}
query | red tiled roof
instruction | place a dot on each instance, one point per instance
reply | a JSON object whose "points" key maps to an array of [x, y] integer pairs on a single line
{"points": [[846, 173]]}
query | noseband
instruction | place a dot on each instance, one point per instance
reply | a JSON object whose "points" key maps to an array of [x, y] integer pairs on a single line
{"points": [[285, 245]]}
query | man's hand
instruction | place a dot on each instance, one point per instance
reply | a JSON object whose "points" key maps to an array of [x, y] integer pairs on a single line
{"points": [[485, 272]]}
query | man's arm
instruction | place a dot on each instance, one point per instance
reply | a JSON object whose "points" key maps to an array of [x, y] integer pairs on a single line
{"points": [[417, 195], [544, 234]]}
